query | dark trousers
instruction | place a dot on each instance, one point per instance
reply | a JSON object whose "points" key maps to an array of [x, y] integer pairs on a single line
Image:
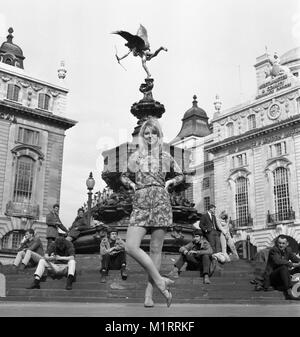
{"points": [[280, 278], [49, 241], [113, 262], [194, 262], [213, 238]]}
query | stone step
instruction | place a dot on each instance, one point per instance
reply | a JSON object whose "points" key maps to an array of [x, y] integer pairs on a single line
{"points": [[206, 300], [180, 284], [140, 277], [230, 284], [139, 293]]}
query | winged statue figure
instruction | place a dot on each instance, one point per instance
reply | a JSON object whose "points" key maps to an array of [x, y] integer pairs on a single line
{"points": [[139, 45]]}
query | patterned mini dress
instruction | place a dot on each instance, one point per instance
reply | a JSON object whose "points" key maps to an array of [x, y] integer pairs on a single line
{"points": [[151, 207]]}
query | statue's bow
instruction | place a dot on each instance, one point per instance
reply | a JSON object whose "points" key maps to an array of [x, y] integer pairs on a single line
{"points": [[116, 54]]}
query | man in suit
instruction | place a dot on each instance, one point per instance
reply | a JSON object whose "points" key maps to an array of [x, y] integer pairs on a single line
{"points": [[53, 222], [208, 224], [282, 262]]}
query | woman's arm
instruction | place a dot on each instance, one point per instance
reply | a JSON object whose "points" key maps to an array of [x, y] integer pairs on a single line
{"points": [[176, 172], [127, 181]]}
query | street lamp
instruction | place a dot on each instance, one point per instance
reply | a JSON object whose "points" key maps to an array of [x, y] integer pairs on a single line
{"points": [[90, 183]]}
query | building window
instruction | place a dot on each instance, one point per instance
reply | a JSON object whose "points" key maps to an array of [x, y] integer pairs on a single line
{"points": [[43, 102], [206, 156], [23, 180], [28, 136], [206, 203], [205, 183], [281, 193], [230, 132], [12, 240], [251, 122], [239, 160], [241, 202], [13, 92], [278, 149]]}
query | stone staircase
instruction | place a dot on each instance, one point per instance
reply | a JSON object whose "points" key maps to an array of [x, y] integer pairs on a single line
{"points": [[230, 284]]}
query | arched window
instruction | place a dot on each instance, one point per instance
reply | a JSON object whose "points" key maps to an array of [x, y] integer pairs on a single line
{"points": [[12, 240], [23, 179], [8, 61], [251, 122], [44, 101], [241, 202], [230, 131], [281, 194], [13, 92]]}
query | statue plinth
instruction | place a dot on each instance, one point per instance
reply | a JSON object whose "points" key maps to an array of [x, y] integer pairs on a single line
{"points": [[147, 106]]}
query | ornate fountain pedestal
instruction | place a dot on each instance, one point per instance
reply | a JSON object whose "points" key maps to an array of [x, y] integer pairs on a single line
{"points": [[114, 210]]}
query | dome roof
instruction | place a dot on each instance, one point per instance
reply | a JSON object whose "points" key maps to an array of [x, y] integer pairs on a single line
{"points": [[195, 110], [290, 56], [11, 48], [10, 53], [194, 123]]}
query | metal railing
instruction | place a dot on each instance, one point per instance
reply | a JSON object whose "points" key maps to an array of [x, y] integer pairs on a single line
{"points": [[285, 215], [242, 222], [22, 209]]}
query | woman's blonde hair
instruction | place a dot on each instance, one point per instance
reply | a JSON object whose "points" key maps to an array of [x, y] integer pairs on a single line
{"points": [[153, 124], [224, 215]]}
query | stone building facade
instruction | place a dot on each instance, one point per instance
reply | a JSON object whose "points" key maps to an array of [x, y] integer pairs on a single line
{"points": [[249, 162], [32, 132], [256, 148]]}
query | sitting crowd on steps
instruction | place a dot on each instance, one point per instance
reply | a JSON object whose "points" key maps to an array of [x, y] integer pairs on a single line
{"points": [[206, 252]]}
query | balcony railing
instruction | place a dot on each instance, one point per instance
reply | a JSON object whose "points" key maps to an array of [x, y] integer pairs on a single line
{"points": [[285, 215], [22, 209], [242, 222]]}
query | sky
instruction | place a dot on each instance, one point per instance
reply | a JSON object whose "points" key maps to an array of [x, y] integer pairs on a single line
{"points": [[212, 48]]}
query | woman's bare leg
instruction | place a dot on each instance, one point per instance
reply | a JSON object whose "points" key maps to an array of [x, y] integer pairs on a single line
{"points": [[134, 237], [156, 244]]}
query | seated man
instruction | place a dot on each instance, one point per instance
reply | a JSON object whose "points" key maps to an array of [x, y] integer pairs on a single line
{"points": [[197, 254], [282, 262], [59, 260], [79, 224], [112, 253], [31, 250]]}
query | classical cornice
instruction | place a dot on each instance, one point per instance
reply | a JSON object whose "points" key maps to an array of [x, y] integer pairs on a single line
{"points": [[252, 134], [48, 117], [255, 102]]}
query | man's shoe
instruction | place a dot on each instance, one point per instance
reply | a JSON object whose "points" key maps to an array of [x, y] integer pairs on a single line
{"points": [[35, 284], [124, 274], [69, 282], [206, 279], [213, 266], [174, 273], [103, 276], [22, 267]]}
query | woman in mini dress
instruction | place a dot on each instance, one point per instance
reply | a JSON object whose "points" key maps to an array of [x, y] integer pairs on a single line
{"points": [[152, 210]]}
